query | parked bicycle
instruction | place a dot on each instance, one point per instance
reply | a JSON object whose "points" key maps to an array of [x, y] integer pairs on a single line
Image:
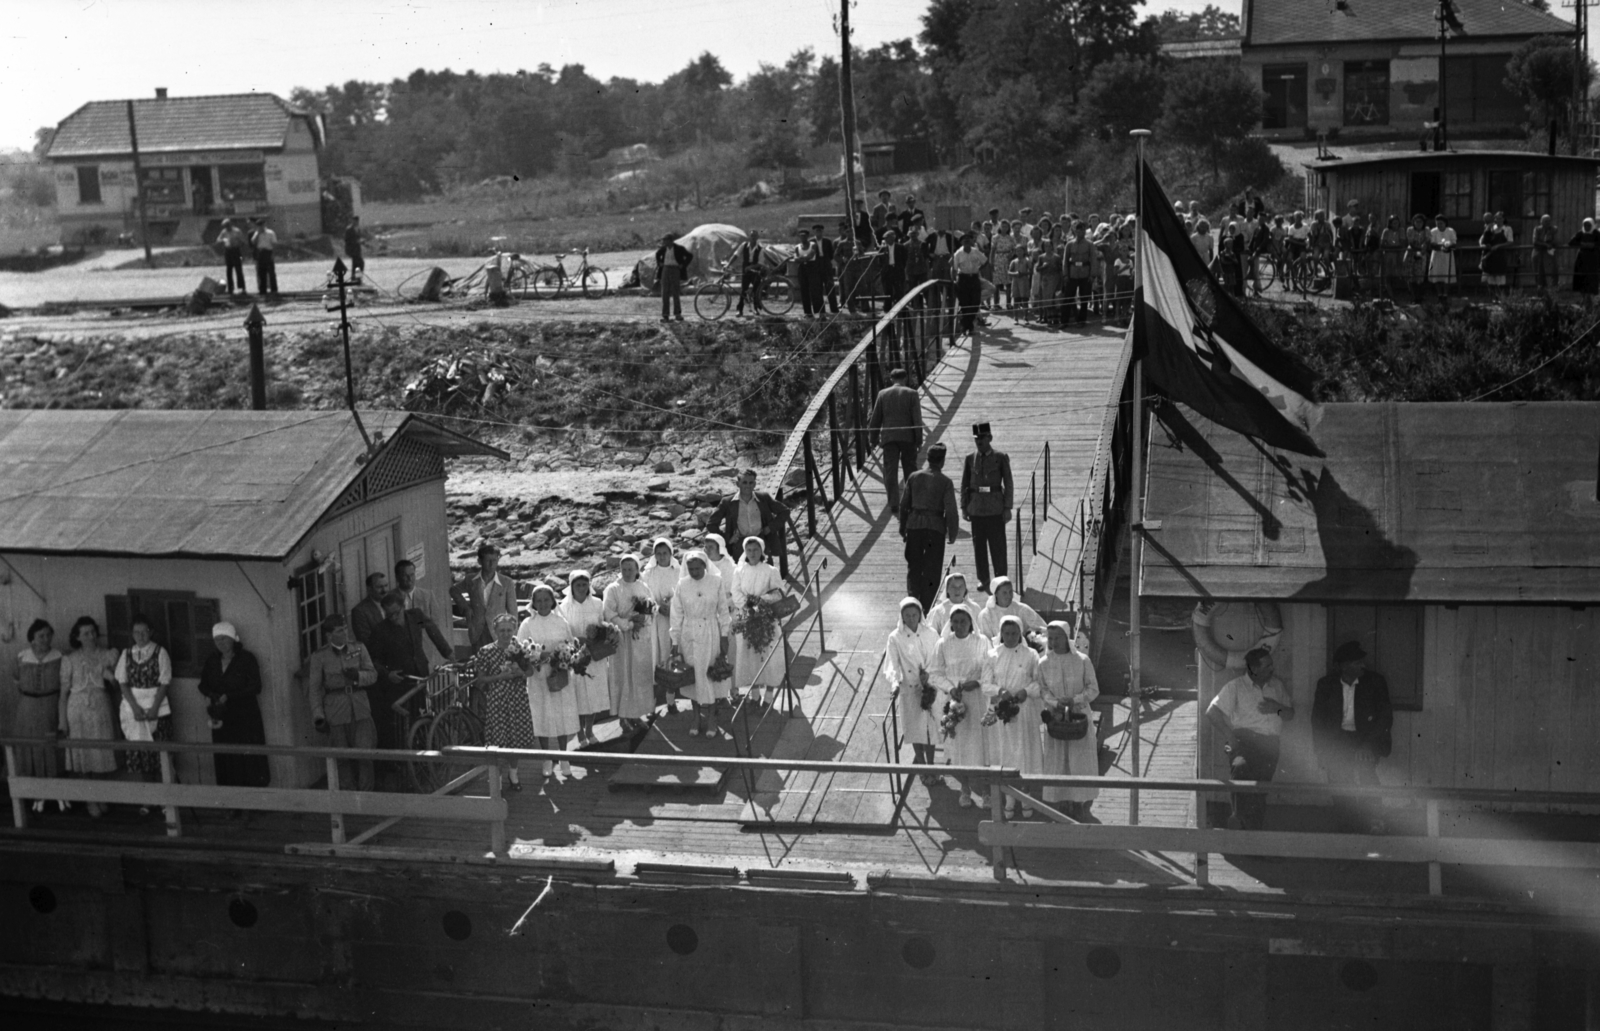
{"points": [[554, 280], [774, 293], [449, 716]]}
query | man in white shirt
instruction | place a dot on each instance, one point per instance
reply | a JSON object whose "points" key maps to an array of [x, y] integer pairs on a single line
{"points": [[966, 264], [263, 240], [1251, 711]]}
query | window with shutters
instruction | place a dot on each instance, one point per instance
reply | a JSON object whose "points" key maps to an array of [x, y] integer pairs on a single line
{"points": [[315, 599], [1391, 635], [180, 622]]}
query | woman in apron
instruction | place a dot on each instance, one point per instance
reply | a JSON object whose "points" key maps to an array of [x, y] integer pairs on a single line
{"points": [[553, 710], [700, 635], [632, 675], [582, 610], [960, 669], [1067, 680]]}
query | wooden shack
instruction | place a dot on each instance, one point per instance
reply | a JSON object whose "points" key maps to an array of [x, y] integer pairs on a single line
{"points": [[1461, 185], [1460, 543], [269, 520]]}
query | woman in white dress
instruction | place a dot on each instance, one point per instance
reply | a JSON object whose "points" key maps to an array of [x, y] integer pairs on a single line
{"points": [[908, 663], [631, 679], [1002, 603], [1066, 678], [555, 713], [955, 597], [755, 577], [1016, 673], [960, 669], [700, 635], [716, 550], [582, 610], [661, 576], [1441, 256]]}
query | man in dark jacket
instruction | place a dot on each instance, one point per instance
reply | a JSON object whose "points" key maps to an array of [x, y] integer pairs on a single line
{"points": [[672, 268], [928, 519], [986, 500], [396, 648], [352, 249], [893, 271], [752, 513], [830, 283], [896, 423], [1351, 721], [368, 612]]}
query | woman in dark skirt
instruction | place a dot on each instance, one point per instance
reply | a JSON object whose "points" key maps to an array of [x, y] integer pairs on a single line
{"points": [[500, 668], [231, 683], [1586, 267]]}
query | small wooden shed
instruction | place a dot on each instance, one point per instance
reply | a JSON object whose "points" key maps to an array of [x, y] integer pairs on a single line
{"points": [[1460, 543], [269, 520], [1461, 185]]}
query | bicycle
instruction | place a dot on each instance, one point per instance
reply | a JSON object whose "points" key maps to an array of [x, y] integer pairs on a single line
{"points": [[774, 294], [449, 717], [554, 280], [1309, 274]]}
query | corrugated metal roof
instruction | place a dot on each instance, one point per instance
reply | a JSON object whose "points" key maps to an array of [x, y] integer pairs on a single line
{"points": [[1530, 158], [1277, 22], [1415, 502], [232, 484], [238, 121]]}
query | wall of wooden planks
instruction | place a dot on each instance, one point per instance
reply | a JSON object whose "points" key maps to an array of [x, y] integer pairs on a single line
{"points": [[1509, 697]]}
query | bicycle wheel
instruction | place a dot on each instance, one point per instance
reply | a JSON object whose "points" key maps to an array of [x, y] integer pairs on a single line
{"points": [[520, 282], [777, 295], [711, 300], [1317, 276], [594, 283], [454, 726], [547, 282], [1266, 272], [423, 775]]}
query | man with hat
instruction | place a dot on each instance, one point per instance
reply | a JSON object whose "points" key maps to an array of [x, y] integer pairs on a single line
{"points": [[927, 520], [896, 423], [1350, 722], [484, 595], [1250, 711], [986, 497], [338, 675]]}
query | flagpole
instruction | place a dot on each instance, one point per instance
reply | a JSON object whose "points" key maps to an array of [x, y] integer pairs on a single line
{"points": [[1136, 520]]}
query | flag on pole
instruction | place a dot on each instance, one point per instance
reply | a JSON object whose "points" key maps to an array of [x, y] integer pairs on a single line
{"points": [[1201, 349]]}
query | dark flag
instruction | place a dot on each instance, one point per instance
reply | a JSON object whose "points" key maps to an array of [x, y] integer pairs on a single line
{"points": [[1447, 14], [1201, 349]]}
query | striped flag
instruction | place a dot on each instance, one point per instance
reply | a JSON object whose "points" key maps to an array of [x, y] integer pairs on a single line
{"points": [[1201, 349]]}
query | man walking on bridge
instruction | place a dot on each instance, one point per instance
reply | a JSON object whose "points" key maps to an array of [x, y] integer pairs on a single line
{"points": [[896, 423], [986, 494], [927, 519]]}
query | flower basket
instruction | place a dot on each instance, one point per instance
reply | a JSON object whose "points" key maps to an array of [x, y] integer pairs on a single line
{"points": [[674, 677], [557, 679], [1073, 726], [602, 640], [720, 669]]}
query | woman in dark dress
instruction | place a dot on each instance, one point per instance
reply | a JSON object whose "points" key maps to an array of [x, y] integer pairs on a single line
{"points": [[231, 683], [1586, 268]]}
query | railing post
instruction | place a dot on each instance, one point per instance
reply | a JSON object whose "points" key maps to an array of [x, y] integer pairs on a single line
{"points": [[813, 484], [19, 806], [1047, 481], [1033, 508], [997, 813], [336, 819], [858, 418], [497, 828], [834, 447], [1435, 872], [1017, 524], [816, 589], [174, 822]]}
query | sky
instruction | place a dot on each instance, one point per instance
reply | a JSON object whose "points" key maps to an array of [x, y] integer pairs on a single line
{"points": [[58, 54]]}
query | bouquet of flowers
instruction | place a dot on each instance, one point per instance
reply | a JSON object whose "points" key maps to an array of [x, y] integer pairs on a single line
{"points": [[954, 713], [601, 640], [758, 622], [560, 661], [720, 669], [1003, 709], [523, 654], [581, 657], [929, 692], [644, 609]]}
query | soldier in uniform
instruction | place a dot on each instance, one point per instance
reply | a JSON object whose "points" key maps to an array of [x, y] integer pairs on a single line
{"points": [[986, 494], [927, 519]]}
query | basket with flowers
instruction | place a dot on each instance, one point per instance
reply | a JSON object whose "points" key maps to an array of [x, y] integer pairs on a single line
{"points": [[523, 654], [644, 610], [559, 662], [1003, 709], [1062, 724], [674, 675]]}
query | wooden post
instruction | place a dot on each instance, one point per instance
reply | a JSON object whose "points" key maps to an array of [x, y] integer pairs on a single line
{"points": [[813, 484], [859, 418], [997, 813], [253, 324], [497, 829], [168, 776], [1017, 524], [138, 188], [835, 445], [337, 819], [1202, 868], [1435, 872], [1047, 481], [1033, 508], [847, 110], [19, 806], [816, 590]]}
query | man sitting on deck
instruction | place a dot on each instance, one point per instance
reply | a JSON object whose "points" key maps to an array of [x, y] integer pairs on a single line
{"points": [[1251, 711]]}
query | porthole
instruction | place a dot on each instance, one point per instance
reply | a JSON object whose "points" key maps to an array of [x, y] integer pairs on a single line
{"points": [[243, 913], [682, 939], [918, 953], [42, 899], [457, 925], [1103, 962]]}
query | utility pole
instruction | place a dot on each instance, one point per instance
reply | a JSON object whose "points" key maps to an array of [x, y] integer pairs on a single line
{"points": [[138, 187], [847, 108], [344, 330], [253, 324], [1580, 102], [1441, 135]]}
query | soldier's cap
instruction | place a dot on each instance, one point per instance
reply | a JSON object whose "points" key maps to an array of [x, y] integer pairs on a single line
{"points": [[331, 622], [981, 429]]}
